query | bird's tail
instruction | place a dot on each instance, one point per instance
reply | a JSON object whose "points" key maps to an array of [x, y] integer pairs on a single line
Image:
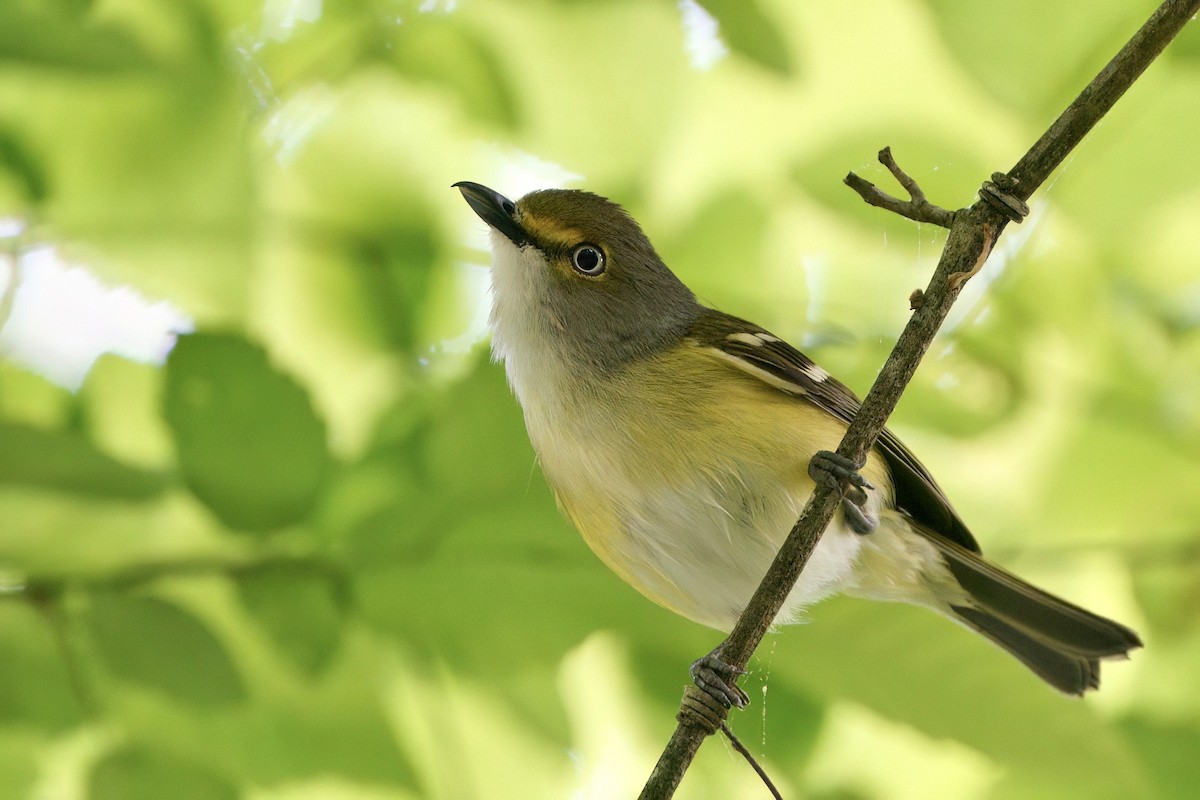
{"points": [[1061, 642]]}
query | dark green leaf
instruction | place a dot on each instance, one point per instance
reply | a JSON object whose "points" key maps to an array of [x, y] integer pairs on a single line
{"points": [[158, 645], [140, 773], [49, 39], [24, 166], [435, 50], [395, 267], [1186, 47], [35, 687], [65, 460], [299, 609], [250, 445], [475, 437], [462, 442], [748, 30]]}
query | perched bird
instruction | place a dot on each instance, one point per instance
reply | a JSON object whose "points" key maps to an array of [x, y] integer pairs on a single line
{"points": [[680, 441]]}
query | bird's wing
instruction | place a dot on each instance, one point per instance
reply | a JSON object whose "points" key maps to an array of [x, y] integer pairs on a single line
{"points": [[775, 362]]}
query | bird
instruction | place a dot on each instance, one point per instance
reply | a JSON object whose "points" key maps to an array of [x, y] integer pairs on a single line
{"points": [[683, 442]]}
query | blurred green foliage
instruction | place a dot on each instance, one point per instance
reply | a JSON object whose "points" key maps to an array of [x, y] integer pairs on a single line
{"points": [[312, 555]]}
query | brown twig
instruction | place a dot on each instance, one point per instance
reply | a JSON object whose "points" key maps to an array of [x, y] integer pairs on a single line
{"points": [[741, 748], [973, 232], [917, 207]]}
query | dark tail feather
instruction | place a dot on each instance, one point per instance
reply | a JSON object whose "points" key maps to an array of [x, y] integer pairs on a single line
{"points": [[1073, 674], [1058, 640]]}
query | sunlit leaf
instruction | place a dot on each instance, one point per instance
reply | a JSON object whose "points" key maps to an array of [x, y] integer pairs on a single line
{"points": [[249, 442], [19, 753], [157, 645]]}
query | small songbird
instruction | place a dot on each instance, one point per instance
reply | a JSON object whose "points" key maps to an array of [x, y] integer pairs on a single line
{"points": [[683, 442]]}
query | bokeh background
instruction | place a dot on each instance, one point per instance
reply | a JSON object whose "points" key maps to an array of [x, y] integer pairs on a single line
{"points": [[269, 524]]}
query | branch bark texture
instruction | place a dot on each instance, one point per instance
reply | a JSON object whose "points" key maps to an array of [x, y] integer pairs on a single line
{"points": [[973, 233]]}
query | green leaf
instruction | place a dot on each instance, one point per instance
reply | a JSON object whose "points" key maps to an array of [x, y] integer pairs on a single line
{"points": [[35, 688], [729, 228], [1185, 49], [56, 40], [748, 30], [1034, 66], [436, 50], [250, 445], [65, 460], [395, 269], [24, 166], [299, 609], [1168, 752], [479, 410], [158, 645], [140, 773], [461, 443]]}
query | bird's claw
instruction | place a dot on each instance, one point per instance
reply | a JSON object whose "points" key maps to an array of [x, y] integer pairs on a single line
{"points": [[842, 473], [716, 678], [827, 466]]}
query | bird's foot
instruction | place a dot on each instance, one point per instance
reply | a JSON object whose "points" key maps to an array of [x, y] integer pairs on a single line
{"points": [[718, 680], [843, 473]]}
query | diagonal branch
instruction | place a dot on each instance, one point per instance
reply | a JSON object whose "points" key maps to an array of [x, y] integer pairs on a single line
{"points": [[973, 232]]}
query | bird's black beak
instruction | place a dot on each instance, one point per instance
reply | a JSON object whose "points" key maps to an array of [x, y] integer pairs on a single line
{"points": [[495, 209]]}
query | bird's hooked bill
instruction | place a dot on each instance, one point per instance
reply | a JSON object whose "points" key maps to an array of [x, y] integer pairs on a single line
{"points": [[495, 209]]}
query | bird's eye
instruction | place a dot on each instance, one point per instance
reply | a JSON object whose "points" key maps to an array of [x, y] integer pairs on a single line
{"points": [[588, 259]]}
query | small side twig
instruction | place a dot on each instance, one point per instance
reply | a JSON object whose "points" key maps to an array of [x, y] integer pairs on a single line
{"points": [[741, 748], [917, 207]]}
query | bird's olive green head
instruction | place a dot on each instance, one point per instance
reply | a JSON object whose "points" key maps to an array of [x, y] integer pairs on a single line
{"points": [[573, 272]]}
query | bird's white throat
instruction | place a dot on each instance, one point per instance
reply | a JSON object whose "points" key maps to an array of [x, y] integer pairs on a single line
{"points": [[524, 326]]}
